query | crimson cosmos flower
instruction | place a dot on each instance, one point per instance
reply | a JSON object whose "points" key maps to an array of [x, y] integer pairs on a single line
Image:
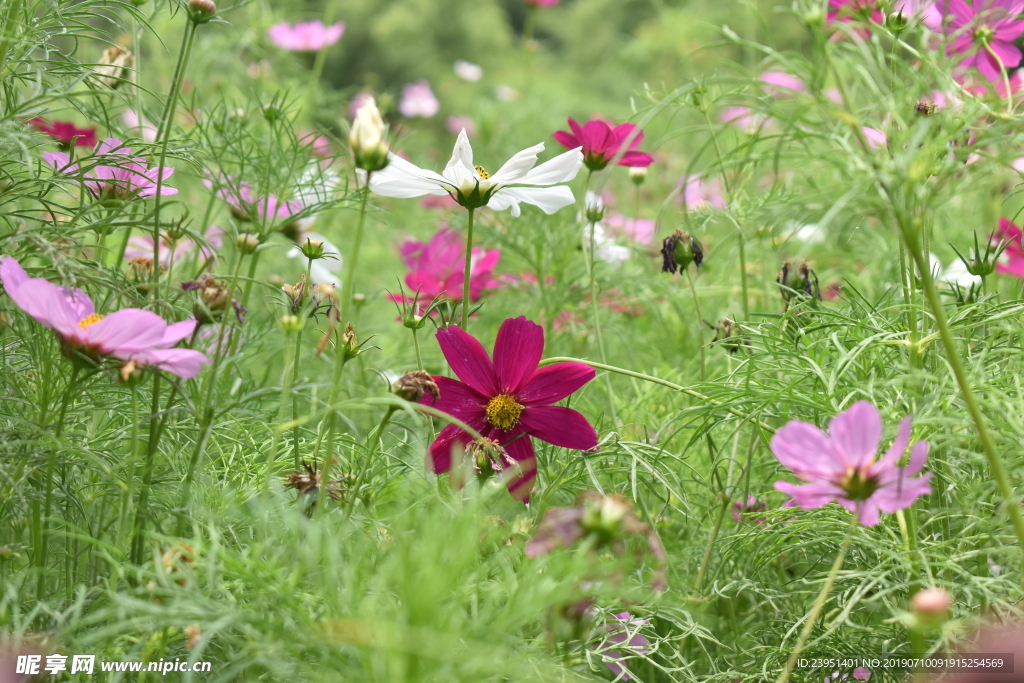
{"points": [[1012, 262], [437, 268], [65, 132], [601, 142], [509, 399]]}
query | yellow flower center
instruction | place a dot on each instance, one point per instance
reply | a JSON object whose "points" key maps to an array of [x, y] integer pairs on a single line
{"points": [[503, 412], [482, 172], [90, 320]]}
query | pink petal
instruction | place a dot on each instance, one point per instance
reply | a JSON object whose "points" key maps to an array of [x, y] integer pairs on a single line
{"points": [[184, 363], [598, 138], [59, 160], [856, 433], [918, 456], [457, 399], [811, 495], [867, 512], [900, 490], [622, 131], [517, 350], [468, 359], [553, 383], [441, 449], [567, 140], [895, 452], [178, 331], [636, 159], [521, 485], [559, 426], [1008, 53], [127, 331], [806, 450]]}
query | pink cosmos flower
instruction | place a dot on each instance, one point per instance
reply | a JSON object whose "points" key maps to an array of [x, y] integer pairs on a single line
{"points": [[418, 101], [141, 246], [601, 142], [437, 268], [702, 194], [246, 206], [780, 83], [841, 465], [306, 36], [509, 399], [541, 3], [139, 125], [1011, 262], [112, 173], [130, 334], [876, 138], [860, 674], [65, 133], [454, 124], [744, 118], [639, 230], [624, 634], [982, 32], [856, 11]]}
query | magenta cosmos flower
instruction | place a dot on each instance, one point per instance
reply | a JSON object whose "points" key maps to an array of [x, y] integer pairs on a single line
{"points": [[1011, 262], [982, 32], [541, 3], [856, 11], [841, 466], [601, 142], [113, 173], [130, 334], [418, 101], [305, 36], [66, 133], [246, 205], [509, 399], [437, 267]]}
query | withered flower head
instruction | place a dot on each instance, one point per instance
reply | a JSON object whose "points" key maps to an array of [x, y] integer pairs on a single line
{"points": [[115, 65], [140, 268], [726, 335], [296, 294], [488, 456], [798, 282], [679, 250], [925, 108], [412, 386], [308, 479], [214, 297]]}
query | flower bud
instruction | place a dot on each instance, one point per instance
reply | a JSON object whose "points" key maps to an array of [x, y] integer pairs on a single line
{"points": [[725, 336], [201, 11], [296, 293], [247, 242], [896, 21], [131, 373], [412, 386], [313, 249], [931, 605], [289, 323], [369, 148], [679, 250], [349, 344], [114, 67], [798, 282], [214, 297], [593, 207], [638, 174], [272, 112], [140, 268]]}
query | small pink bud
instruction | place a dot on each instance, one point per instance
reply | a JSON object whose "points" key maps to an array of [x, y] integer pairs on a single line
{"points": [[931, 604], [201, 11]]}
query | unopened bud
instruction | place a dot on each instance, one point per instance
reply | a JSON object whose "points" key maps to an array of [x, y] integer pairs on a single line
{"points": [[201, 11], [247, 242], [349, 345], [114, 67], [798, 281], [367, 138], [593, 208], [289, 323], [638, 174], [679, 250], [931, 605], [412, 386], [131, 373], [313, 249], [604, 515], [896, 21], [271, 112]]}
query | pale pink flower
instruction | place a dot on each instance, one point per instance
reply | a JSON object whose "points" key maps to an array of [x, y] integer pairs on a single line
{"points": [[780, 83], [622, 634], [112, 173], [141, 246], [639, 230], [875, 137], [468, 71], [247, 206], [418, 101], [841, 466], [702, 194], [306, 36], [139, 126], [983, 31], [454, 124]]}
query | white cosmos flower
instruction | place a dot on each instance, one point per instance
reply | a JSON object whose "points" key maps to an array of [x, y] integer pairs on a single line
{"points": [[472, 187]]}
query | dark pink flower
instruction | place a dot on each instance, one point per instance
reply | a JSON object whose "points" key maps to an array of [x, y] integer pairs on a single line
{"points": [[859, 11], [624, 634], [65, 133], [982, 32], [437, 267], [141, 246], [112, 173], [601, 142], [306, 36], [541, 3], [1011, 262], [247, 206], [841, 466], [130, 334], [509, 399]]}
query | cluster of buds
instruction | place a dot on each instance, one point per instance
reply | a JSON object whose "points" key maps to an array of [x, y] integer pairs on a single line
{"points": [[605, 519], [679, 250], [201, 11], [726, 335], [798, 283], [214, 298], [368, 138], [414, 385]]}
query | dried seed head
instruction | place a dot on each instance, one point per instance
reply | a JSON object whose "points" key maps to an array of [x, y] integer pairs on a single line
{"points": [[296, 294], [192, 635], [679, 250], [412, 386], [488, 456], [214, 297]]}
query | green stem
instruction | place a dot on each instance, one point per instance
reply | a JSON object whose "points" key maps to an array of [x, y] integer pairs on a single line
{"points": [[371, 451], [466, 273], [420, 366], [282, 410], [743, 273], [595, 311], [350, 272], [133, 454], [706, 560], [147, 477], [663, 382], [295, 371], [250, 278], [819, 603], [51, 465], [700, 323]]}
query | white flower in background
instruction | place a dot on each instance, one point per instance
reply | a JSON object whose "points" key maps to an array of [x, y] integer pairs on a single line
{"points": [[316, 186], [468, 71], [809, 234], [518, 181], [605, 248], [957, 274], [326, 269], [506, 93]]}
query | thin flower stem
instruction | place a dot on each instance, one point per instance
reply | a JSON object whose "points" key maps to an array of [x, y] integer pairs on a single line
{"points": [[1006, 78], [819, 603], [420, 366], [282, 410], [133, 454], [595, 311], [51, 465], [706, 560], [700, 323], [295, 371], [371, 451], [147, 476], [657, 380], [251, 278], [350, 272], [466, 272]]}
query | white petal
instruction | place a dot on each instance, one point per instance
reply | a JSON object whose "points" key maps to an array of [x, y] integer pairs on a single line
{"points": [[549, 199], [462, 156], [403, 180], [561, 169], [518, 166]]}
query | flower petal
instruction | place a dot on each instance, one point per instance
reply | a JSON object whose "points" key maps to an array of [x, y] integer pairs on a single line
{"points": [[521, 450], [178, 331], [552, 383], [468, 359], [567, 140], [895, 452], [813, 495], [403, 180], [638, 159], [518, 166], [517, 350], [559, 426], [856, 433], [458, 399], [128, 331], [184, 363], [549, 199], [560, 169], [806, 450]]}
